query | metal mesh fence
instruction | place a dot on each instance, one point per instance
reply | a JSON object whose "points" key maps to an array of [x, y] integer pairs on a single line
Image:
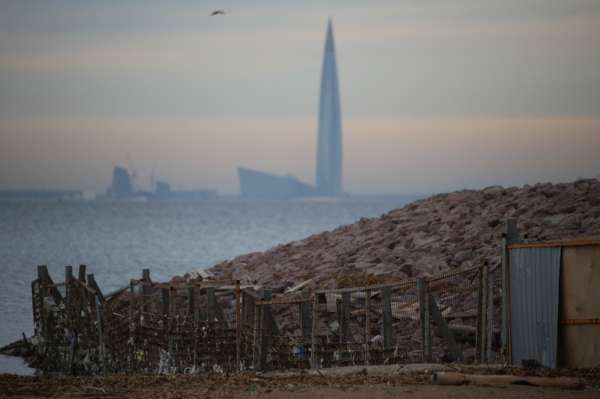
{"points": [[369, 325], [284, 333], [454, 307], [166, 328], [214, 326]]}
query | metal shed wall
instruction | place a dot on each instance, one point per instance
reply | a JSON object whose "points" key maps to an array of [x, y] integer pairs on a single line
{"points": [[534, 297], [579, 332]]}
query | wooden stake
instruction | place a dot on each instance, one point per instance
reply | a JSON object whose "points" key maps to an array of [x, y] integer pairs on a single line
{"points": [[238, 326], [367, 325], [424, 315], [387, 319], [81, 276], [314, 361]]}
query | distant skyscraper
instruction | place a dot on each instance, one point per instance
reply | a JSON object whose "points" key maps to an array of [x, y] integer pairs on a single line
{"points": [[329, 150]]}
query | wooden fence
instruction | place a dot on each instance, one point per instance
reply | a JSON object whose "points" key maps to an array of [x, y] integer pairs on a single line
{"points": [[220, 326]]}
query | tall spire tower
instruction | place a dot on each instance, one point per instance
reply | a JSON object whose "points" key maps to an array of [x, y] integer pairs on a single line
{"points": [[329, 150]]}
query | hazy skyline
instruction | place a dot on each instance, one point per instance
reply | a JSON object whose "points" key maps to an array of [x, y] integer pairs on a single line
{"points": [[435, 96]]}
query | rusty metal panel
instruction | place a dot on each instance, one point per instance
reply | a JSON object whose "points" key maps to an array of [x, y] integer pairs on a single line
{"points": [[534, 297]]}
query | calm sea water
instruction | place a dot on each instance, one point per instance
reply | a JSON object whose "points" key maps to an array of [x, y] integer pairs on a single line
{"points": [[118, 239]]}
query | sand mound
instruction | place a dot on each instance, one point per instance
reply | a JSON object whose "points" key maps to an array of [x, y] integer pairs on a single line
{"points": [[442, 232]]}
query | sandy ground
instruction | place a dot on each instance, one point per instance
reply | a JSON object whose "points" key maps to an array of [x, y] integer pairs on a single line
{"points": [[256, 386]]}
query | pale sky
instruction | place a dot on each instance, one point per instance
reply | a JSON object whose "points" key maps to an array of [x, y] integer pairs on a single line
{"points": [[436, 95]]}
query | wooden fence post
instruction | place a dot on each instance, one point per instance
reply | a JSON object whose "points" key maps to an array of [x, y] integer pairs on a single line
{"points": [[314, 361], [91, 282], [36, 307], [510, 236], [146, 290], [482, 314], [367, 325], [267, 329], [256, 352], [82, 272], [100, 331], [210, 305], [238, 325], [424, 312], [443, 330], [172, 327], [306, 318], [191, 300], [42, 272], [131, 340], [490, 319], [344, 316], [71, 318], [45, 278], [387, 319]]}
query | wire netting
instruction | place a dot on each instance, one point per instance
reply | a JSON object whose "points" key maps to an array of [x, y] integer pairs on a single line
{"points": [[285, 333], [153, 327]]}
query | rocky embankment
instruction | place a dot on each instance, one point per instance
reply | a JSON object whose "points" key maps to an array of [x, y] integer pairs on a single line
{"points": [[429, 236]]}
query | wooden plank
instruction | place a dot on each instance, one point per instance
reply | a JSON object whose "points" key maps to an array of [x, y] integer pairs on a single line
{"points": [[91, 282], [283, 301], [579, 344], [45, 279], [400, 284]]}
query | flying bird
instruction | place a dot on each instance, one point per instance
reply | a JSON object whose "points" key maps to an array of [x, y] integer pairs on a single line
{"points": [[217, 12]]}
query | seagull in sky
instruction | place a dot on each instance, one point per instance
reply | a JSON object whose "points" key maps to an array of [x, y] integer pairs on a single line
{"points": [[217, 12]]}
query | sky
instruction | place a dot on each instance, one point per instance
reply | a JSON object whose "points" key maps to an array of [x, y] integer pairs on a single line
{"points": [[436, 95]]}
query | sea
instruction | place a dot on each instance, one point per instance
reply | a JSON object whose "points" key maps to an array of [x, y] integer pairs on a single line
{"points": [[117, 239]]}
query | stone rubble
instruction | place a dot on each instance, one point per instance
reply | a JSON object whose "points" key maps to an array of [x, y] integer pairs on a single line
{"points": [[426, 237]]}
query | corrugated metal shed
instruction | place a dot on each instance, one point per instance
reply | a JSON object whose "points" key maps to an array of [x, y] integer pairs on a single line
{"points": [[534, 297]]}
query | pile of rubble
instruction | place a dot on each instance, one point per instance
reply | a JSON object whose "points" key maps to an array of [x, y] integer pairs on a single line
{"points": [[426, 237]]}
